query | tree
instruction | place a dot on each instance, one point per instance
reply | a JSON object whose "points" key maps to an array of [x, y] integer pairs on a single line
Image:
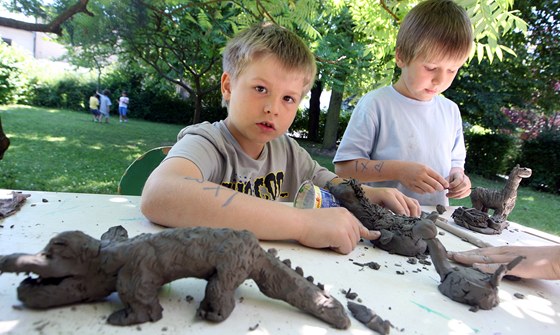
{"points": [[527, 80], [34, 8]]}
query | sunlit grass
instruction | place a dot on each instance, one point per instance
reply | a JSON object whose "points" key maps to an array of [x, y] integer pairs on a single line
{"points": [[60, 150]]}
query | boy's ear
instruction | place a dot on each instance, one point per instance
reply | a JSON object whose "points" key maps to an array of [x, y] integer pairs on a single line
{"points": [[398, 59], [226, 86]]}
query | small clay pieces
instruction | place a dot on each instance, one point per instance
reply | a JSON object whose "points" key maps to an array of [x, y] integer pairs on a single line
{"points": [[501, 201], [369, 318], [397, 233], [11, 206], [466, 284], [477, 220], [76, 268]]}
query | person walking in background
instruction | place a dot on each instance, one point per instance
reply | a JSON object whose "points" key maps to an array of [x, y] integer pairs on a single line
{"points": [[94, 107], [123, 107], [407, 135], [104, 105]]}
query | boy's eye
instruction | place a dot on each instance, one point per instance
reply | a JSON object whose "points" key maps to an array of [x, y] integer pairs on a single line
{"points": [[260, 89], [289, 99], [428, 68]]}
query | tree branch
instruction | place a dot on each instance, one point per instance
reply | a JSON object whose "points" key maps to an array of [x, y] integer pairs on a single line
{"points": [[52, 27]]}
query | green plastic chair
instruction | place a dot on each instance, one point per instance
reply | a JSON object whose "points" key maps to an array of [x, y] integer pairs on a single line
{"points": [[133, 180]]}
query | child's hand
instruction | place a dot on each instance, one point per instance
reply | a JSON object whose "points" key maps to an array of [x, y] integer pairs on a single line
{"points": [[393, 199], [459, 184], [334, 228], [541, 262], [420, 178]]}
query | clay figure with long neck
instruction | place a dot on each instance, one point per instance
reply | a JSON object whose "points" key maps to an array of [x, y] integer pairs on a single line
{"points": [[75, 268], [501, 201], [397, 234], [464, 284]]}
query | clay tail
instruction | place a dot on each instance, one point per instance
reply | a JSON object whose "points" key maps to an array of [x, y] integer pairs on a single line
{"points": [[503, 269], [439, 257], [277, 280]]}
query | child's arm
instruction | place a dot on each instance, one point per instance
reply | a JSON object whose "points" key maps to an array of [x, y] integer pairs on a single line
{"points": [[176, 196], [459, 184], [416, 177]]}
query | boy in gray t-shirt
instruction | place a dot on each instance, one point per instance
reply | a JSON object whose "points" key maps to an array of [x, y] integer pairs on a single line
{"points": [[219, 175]]}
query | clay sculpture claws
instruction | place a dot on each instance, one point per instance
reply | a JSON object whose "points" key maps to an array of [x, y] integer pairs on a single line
{"points": [[75, 268]]}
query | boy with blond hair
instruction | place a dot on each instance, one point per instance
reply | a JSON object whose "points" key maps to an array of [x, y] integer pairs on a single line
{"points": [[407, 135], [222, 174]]}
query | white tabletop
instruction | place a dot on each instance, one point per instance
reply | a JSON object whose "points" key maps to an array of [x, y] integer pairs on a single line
{"points": [[411, 301]]}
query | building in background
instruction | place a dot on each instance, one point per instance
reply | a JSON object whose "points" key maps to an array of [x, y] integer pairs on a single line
{"points": [[39, 45]]}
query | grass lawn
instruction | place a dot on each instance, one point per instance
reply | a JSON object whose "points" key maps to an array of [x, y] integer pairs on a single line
{"points": [[60, 150], [64, 151]]}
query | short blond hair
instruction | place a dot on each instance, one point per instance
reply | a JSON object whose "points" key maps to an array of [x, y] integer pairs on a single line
{"points": [[265, 39], [435, 29]]}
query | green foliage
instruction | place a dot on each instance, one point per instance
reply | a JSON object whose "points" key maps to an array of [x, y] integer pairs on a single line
{"points": [[299, 126], [13, 78], [543, 157], [489, 154]]}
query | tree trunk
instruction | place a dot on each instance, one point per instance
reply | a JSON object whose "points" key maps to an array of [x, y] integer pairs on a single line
{"points": [[331, 125], [314, 112]]}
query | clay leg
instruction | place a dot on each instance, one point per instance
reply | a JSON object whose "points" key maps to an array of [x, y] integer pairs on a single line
{"points": [[218, 302], [137, 290]]}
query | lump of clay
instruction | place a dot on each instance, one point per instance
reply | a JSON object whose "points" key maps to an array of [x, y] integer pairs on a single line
{"points": [[397, 233], [501, 201], [466, 285], [369, 318], [477, 220], [11, 206], [76, 268]]}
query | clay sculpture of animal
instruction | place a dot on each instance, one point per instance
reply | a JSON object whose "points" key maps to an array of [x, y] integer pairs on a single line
{"points": [[476, 220], [466, 285], [501, 201], [75, 268], [398, 232]]}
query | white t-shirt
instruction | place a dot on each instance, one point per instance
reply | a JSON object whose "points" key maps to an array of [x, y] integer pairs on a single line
{"points": [[123, 102], [276, 175], [386, 125]]}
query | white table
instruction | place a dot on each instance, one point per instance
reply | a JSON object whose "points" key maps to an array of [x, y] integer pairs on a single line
{"points": [[410, 301]]}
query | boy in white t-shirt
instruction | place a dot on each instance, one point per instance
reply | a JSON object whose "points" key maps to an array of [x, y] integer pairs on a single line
{"points": [[222, 174], [123, 107], [407, 135]]}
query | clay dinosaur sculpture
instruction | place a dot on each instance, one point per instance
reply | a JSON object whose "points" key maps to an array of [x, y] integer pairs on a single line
{"points": [[501, 201], [75, 268], [465, 284], [398, 232]]}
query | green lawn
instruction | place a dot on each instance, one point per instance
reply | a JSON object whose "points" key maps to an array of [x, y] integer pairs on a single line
{"points": [[59, 150]]}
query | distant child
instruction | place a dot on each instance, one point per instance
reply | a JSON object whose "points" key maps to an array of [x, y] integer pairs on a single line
{"points": [[222, 174], [408, 135], [94, 107], [123, 107], [104, 105]]}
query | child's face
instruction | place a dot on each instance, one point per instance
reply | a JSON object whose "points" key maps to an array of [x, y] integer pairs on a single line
{"points": [[423, 79], [262, 102]]}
